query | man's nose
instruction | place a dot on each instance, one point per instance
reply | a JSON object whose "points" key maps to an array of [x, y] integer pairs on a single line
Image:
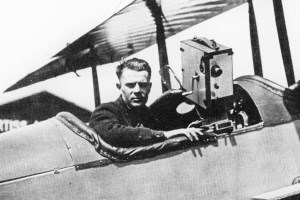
{"points": [[137, 88]]}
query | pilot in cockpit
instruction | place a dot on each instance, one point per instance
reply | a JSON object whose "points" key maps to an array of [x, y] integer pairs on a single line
{"points": [[127, 122]]}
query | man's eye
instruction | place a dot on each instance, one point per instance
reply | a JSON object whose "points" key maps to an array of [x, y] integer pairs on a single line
{"points": [[143, 85], [130, 85]]}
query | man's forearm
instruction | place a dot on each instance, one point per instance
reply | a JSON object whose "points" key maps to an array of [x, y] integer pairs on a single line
{"points": [[121, 135]]}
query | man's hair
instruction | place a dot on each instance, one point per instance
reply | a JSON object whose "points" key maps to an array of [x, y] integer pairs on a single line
{"points": [[133, 64]]}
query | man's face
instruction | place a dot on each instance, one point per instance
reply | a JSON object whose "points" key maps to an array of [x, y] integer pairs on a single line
{"points": [[135, 87]]}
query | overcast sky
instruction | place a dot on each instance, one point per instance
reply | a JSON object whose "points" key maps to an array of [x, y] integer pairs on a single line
{"points": [[32, 31]]}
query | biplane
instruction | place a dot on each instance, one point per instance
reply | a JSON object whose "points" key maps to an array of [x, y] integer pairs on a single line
{"points": [[253, 147]]}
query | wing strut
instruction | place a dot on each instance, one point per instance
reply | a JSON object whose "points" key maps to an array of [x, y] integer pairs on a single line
{"points": [[254, 42], [157, 14], [284, 42], [93, 64]]}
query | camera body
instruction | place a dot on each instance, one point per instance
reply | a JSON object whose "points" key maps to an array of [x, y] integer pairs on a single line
{"points": [[207, 70]]}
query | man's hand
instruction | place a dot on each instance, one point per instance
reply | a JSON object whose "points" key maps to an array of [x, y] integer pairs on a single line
{"points": [[191, 133]]}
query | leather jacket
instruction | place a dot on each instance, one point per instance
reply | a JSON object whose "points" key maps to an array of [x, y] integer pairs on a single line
{"points": [[121, 126]]}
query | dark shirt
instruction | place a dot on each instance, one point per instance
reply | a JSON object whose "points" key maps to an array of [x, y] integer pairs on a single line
{"points": [[121, 126]]}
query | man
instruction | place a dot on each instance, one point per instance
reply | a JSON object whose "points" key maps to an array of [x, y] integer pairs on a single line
{"points": [[127, 122]]}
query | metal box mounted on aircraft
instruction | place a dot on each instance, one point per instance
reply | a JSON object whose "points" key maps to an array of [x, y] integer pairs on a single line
{"points": [[207, 70]]}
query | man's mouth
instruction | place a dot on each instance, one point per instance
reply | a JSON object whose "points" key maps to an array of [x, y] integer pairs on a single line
{"points": [[137, 99]]}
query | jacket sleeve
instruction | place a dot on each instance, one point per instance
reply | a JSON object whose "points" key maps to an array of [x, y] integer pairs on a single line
{"points": [[106, 121]]}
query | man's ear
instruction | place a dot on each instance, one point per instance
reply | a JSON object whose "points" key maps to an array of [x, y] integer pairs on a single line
{"points": [[118, 85]]}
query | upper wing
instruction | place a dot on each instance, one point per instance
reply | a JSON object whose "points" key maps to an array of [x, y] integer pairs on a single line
{"points": [[130, 30]]}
